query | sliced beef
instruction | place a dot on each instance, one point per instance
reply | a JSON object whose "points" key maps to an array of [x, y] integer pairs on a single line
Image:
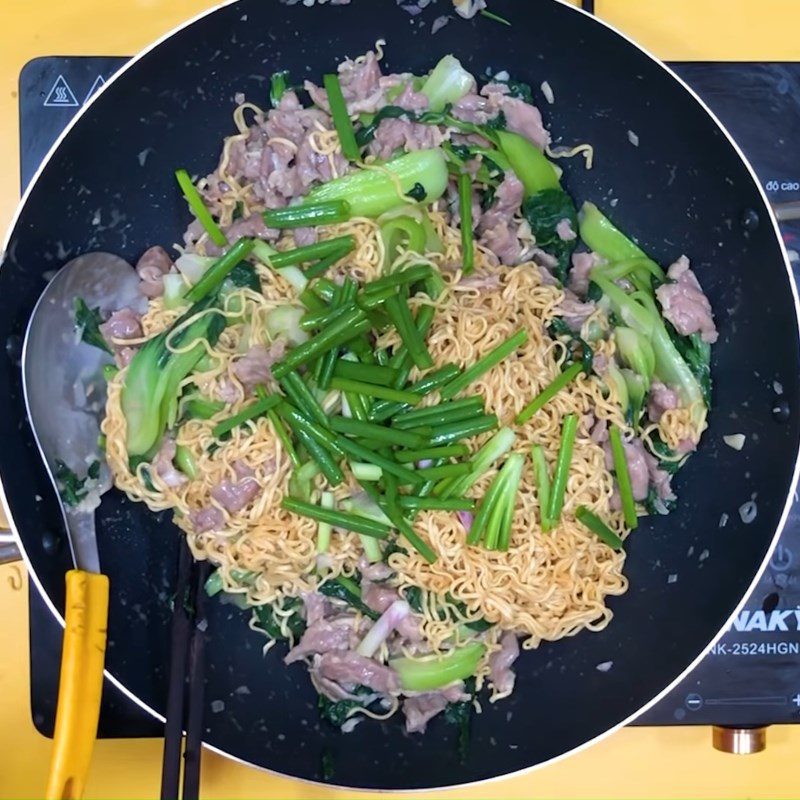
{"points": [[500, 673], [684, 303], [660, 479], [411, 100], [122, 324], [255, 366], [636, 458], [503, 241], [521, 117], [481, 281], [419, 709], [374, 572], [234, 495], [582, 265], [564, 231], [315, 606], [324, 636], [574, 312], [361, 86], [350, 669], [151, 267], [163, 466], [401, 134], [206, 519], [506, 205], [661, 399], [379, 597]]}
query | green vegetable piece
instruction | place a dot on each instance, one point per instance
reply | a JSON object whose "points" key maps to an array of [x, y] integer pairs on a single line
{"points": [[308, 215], [339, 519], [569, 429], [598, 527], [529, 163], [278, 84], [372, 192], [542, 484], [548, 393], [623, 477], [484, 364], [341, 118], [447, 83], [219, 270], [428, 674], [87, 325], [465, 210], [154, 376], [543, 211], [198, 208]]}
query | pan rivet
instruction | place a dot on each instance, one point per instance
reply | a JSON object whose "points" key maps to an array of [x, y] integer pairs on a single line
{"points": [[781, 410], [50, 543], [750, 219]]}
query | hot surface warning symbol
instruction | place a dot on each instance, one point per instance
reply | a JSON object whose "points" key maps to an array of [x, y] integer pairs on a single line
{"points": [[60, 96]]}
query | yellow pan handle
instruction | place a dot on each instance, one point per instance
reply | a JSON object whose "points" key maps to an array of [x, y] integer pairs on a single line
{"points": [[81, 684]]}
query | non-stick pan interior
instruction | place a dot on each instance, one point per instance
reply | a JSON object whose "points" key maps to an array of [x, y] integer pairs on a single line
{"points": [[683, 189]]}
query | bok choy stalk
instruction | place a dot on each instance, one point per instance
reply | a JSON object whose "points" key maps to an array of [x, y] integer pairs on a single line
{"points": [[154, 375], [434, 672], [447, 83], [372, 192]]}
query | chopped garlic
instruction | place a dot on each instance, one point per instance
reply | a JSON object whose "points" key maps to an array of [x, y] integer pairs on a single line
{"points": [[735, 440]]}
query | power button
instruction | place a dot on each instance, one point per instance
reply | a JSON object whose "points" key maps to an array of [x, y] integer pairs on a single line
{"points": [[781, 559]]}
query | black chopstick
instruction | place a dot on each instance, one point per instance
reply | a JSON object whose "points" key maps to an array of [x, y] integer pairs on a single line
{"points": [[186, 656]]}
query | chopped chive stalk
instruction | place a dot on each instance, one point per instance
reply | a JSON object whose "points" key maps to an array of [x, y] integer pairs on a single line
{"points": [[376, 433], [253, 411], [404, 277], [341, 119], [542, 484], [490, 520], [219, 270], [324, 264], [436, 503], [303, 398], [358, 406], [623, 477], [277, 87], [198, 208], [465, 210], [374, 299], [310, 252], [311, 301], [324, 317], [367, 373], [548, 393], [483, 365], [432, 381], [298, 421], [400, 315], [285, 439], [328, 466], [110, 371], [345, 328], [361, 453], [481, 461], [455, 431], [373, 390], [308, 215], [184, 461], [431, 453], [598, 527], [324, 529], [568, 430], [444, 471], [441, 414], [325, 289], [201, 408], [494, 17], [365, 472], [339, 519], [409, 534]]}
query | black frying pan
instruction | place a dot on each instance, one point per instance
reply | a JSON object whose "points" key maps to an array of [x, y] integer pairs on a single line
{"points": [[685, 189]]}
